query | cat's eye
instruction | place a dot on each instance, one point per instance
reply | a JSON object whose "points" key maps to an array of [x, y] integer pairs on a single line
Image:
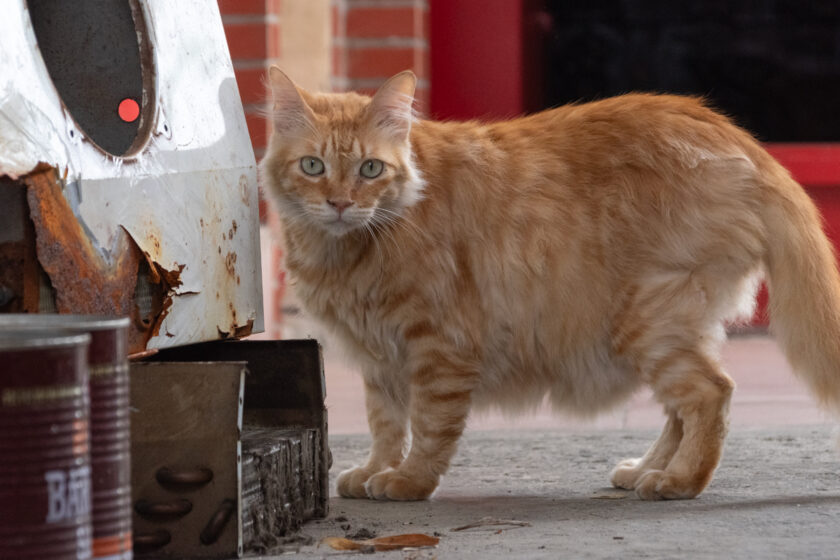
{"points": [[372, 168], [312, 165]]}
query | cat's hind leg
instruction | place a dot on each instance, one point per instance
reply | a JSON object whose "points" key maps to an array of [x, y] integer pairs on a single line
{"points": [[387, 420], [671, 333], [627, 473], [698, 391]]}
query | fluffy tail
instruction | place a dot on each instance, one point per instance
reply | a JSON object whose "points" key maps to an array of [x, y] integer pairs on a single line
{"points": [[804, 286]]}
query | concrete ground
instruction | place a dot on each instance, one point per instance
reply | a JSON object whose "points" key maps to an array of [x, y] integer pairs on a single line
{"points": [[775, 495]]}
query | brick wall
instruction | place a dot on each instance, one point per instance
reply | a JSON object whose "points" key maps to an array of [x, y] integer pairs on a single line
{"points": [[253, 33], [375, 39]]}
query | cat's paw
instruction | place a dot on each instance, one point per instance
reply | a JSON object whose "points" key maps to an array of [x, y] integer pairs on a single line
{"points": [[351, 483], [394, 485], [661, 485], [627, 473]]}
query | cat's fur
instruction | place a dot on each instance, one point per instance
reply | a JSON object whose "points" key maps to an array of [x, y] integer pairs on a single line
{"points": [[576, 253]]}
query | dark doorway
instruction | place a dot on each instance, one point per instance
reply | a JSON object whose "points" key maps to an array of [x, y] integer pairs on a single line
{"points": [[773, 65]]}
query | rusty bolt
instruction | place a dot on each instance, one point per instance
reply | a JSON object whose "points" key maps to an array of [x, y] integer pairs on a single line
{"points": [[214, 527], [146, 542], [169, 509], [184, 477]]}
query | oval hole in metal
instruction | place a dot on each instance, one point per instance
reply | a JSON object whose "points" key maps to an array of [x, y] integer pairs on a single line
{"points": [[92, 53]]}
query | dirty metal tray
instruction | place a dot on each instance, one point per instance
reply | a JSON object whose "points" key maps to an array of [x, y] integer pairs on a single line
{"points": [[262, 457]]}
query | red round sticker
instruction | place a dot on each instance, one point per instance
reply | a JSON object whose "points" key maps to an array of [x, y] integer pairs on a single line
{"points": [[129, 110]]}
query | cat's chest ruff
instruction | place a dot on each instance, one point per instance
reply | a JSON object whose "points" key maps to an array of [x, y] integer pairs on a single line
{"points": [[355, 312]]}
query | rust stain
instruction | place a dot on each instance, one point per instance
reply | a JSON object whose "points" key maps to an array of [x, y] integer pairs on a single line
{"points": [[84, 282], [230, 264], [243, 330], [237, 331], [167, 281], [243, 189]]}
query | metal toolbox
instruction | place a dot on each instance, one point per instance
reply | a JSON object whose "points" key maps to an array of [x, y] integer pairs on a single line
{"points": [[229, 447]]}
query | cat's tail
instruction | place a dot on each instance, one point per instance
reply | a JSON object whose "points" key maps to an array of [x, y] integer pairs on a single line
{"points": [[804, 285]]}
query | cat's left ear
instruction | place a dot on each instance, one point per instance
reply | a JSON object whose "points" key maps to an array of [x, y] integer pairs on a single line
{"points": [[391, 107], [290, 110]]}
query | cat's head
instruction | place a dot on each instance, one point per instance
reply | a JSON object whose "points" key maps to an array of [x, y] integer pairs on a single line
{"points": [[341, 162]]}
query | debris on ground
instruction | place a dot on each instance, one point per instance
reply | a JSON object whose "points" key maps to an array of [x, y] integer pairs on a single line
{"points": [[361, 534], [394, 542], [493, 524]]}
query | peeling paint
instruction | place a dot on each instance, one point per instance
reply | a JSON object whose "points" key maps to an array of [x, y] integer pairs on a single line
{"points": [[86, 279], [175, 222]]}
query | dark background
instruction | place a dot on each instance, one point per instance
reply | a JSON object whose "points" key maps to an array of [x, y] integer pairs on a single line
{"points": [[772, 65]]}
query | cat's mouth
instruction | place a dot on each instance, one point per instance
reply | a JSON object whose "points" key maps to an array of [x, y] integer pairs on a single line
{"points": [[341, 225]]}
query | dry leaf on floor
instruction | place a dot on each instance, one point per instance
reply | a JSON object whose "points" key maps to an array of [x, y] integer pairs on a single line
{"points": [[493, 522], [394, 542]]}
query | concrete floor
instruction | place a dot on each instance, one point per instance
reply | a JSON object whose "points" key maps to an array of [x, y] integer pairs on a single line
{"points": [[776, 494]]}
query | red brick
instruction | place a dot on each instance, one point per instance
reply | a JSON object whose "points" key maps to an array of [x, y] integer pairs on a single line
{"points": [[251, 87], [338, 68], [379, 63], [273, 6], [381, 22], [247, 40], [257, 129], [242, 7]]}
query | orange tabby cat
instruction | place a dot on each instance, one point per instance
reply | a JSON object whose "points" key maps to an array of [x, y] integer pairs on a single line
{"points": [[576, 254]]}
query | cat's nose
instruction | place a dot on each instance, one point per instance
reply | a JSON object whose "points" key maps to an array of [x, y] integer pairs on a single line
{"points": [[340, 205]]}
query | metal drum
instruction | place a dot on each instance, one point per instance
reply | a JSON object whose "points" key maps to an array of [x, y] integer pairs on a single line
{"points": [[109, 423], [45, 502]]}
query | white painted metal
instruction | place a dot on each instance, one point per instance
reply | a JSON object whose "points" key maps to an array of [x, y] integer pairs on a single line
{"points": [[188, 196]]}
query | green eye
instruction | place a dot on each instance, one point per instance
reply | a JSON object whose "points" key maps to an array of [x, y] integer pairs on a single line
{"points": [[371, 168], [312, 165]]}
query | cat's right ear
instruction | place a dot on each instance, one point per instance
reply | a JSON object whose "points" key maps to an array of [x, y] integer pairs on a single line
{"points": [[289, 110]]}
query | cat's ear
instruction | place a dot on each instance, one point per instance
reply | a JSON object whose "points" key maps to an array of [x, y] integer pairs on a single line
{"points": [[391, 107], [289, 109]]}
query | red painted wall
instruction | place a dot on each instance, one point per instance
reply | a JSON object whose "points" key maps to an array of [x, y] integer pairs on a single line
{"points": [[476, 58]]}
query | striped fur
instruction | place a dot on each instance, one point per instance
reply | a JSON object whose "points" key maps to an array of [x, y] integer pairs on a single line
{"points": [[575, 254]]}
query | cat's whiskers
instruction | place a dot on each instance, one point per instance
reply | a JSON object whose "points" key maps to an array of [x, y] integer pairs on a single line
{"points": [[389, 221], [368, 226]]}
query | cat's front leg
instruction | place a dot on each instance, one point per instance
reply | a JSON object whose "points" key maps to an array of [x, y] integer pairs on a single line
{"points": [[387, 420], [440, 401]]}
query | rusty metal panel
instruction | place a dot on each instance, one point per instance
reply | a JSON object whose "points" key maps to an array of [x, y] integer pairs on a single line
{"points": [[173, 221], [186, 458]]}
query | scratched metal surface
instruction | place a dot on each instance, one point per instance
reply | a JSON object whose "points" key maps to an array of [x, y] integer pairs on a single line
{"points": [[185, 193]]}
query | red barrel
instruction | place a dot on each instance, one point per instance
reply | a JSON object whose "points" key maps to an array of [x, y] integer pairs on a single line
{"points": [[45, 501], [109, 423]]}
